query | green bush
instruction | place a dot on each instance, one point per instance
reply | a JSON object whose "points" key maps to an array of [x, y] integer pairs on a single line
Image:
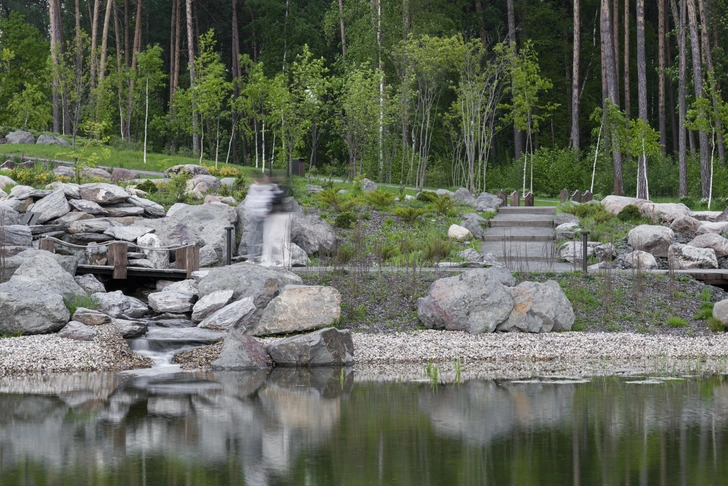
{"points": [[380, 199], [630, 214], [330, 198], [345, 220], [344, 254], [148, 186], [73, 303], [427, 196], [408, 214], [437, 248], [444, 204], [677, 322]]}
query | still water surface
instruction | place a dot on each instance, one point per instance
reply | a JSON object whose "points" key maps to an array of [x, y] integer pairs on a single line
{"points": [[322, 427]]}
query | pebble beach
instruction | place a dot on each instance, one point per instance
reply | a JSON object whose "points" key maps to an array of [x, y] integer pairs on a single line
{"points": [[404, 356]]}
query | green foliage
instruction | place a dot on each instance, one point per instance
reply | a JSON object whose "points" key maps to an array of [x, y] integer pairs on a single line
{"points": [[437, 248], [73, 303], [174, 190], [36, 176], [444, 204], [148, 186], [380, 199], [677, 322], [630, 214], [330, 198], [588, 210], [344, 254], [345, 220], [427, 196], [408, 214], [715, 325]]}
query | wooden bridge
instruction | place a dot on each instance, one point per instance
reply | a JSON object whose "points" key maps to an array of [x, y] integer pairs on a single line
{"points": [[187, 260]]}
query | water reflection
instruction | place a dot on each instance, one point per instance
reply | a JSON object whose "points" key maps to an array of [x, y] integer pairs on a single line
{"points": [[320, 427]]}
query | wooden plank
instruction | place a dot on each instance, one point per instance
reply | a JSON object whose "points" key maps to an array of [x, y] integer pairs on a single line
{"points": [[193, 260], [117, 257], [46, 244]]}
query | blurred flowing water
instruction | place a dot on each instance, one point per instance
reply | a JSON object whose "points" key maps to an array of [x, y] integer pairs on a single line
{"points": [[324, 426]]}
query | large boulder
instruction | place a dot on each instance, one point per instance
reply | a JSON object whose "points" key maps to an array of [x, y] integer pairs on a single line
{"points": [[299, 308], [248, 280], [368, 185], [51, 207], [241, 352], [463, 196], [567, 231], [564, 218], [103, 193], [128, 233], [20, 137], [8, 216], [12, 263], [28, 311], [189, 169], [684, 257], [637, 259], [720, 312], [664, 212], [652, 239], [711, 240], [153, 249], [151, 209], [94, 225], [16, 235], [539, 307], [129, 329], [717, 227], [326, 347], [6, 181], [88, 207], [43, 273], [47, 139], [89, 283], [116, 304], [475, 301], [487, 202], [171, 301], [91, 317], [77, 331], [211, 183], [312, 234], [615, 204], [473, 223], [573, 251], [119, 174], [686, 225], [459, 233], [239, 314], [96, 173]]}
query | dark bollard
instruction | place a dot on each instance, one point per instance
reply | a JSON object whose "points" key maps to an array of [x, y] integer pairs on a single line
{"points": [[229, 240], [584, 239]]}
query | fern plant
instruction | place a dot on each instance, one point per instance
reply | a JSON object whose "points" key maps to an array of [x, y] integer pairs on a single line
{"points": [[408, 214], [380, 198]]}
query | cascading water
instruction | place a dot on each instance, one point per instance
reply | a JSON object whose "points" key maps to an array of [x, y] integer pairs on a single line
{"points": [[162, 343]]}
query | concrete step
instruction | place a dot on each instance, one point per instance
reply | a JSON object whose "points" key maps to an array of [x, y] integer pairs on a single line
{"points": [[521, 251], [517, 233], [527, 210], [505, 223]]}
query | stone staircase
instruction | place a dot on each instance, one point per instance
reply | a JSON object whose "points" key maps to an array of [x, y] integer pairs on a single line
{"points": [[522, 238]]}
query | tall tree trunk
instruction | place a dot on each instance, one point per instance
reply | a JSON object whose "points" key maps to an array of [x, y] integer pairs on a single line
{"points": [[627, 104], [481, 22], [119, 70], [642, 185], [237, 73], [575, 80], [172, 36], [661, 74], [343, 29], [606, 33], [671, 101], [679, 17], [135, 50], [104, 43], [55, 59], [708, 59], [698, 83], [127, 51], [191, 54], [615, 42], [94, 36], [518, 136]]}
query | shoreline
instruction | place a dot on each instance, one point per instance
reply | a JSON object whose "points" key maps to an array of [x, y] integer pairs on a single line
{"points": [[405, 356]]}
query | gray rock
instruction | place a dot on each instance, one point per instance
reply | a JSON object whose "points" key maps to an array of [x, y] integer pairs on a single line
{"points": [[21, 192], [124, 211], [459, 233], [77, 331], [20, 137], [573, 251], [471, 255], [664, 212], [298, 256], [151, 209], [171, 301], [716, 227], [129, 329], [685, 225], [615, 204], [12, 263], [211, 183], [562, 218], [96, 173], [652, 239], [208, 256], [116, 304], [72, 191], [91, 317], [567, 231], [29, 311], [248, 280], [487, 202], [711, 240], [88, 207], [119, 174], [299, 308], [51, 207], [326, 347], [95, 225], [720, 312], [368, 186], [152, 247], [240, 352], [313, 189], [473, 223], [16, 235], [190, 169], [463, 196], [539, 307], [237, 314], [6, 181], [444, 192], [210, 304], [103, 193], [140, 262], [64, 171], [43, 273], [9, 216], [127, 233], [69, 218], [46, 139], [683, 257], [475, 301], [187, 286], [89, 283]]}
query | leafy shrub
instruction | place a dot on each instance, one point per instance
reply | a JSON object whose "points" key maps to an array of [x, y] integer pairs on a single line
{"points": [[689, 201], [345, 220], [380, 198], [329, 197], [148, 186], [444, 204], [344, 254], [427, 196], [677, 322], [588, 210], [407, 245], [73, 303], [630, 214], [436, 248], [408, 214]]}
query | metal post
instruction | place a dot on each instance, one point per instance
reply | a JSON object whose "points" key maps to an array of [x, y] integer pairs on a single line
{"points": [[584, 239], [229, 239]]}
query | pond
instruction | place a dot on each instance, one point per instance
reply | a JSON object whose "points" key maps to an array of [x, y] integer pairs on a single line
{"points": [[326, 426]]}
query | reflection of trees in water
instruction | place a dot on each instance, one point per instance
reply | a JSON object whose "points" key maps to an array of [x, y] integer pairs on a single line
{"points": [[283, 427]]}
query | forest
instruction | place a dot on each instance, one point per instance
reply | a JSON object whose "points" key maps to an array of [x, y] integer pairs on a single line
{"points": [[615, 96]]}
